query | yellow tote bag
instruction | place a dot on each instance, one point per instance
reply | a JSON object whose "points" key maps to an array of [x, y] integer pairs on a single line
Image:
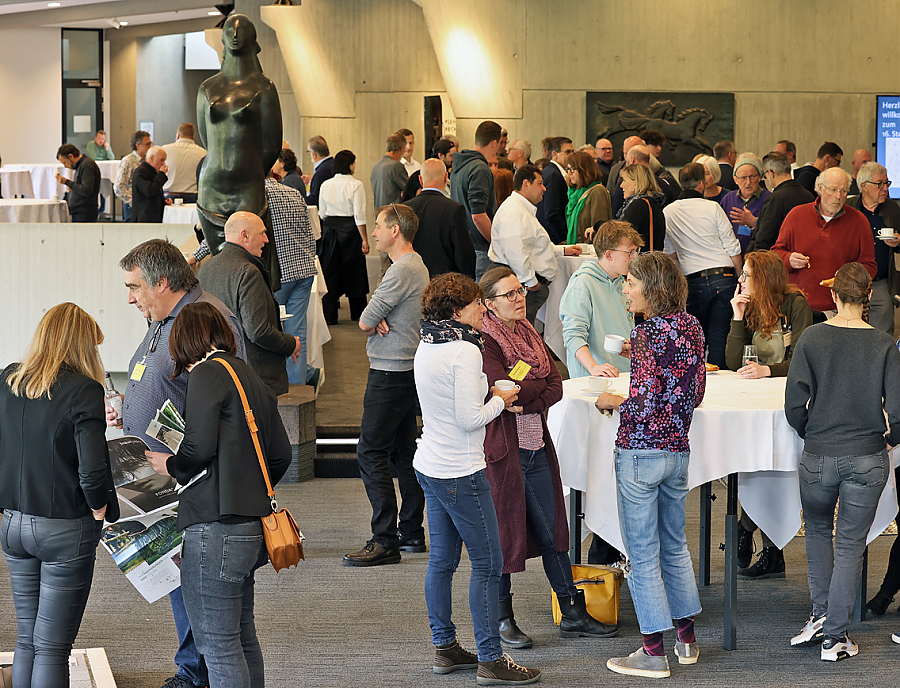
{"points": [[601, 592]]}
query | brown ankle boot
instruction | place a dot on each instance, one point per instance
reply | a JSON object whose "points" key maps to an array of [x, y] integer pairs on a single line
{"points": [[453, 657], [505, 672]]}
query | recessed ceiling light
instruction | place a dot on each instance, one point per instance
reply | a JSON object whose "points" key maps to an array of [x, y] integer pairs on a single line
{"points": [[123, 23], [214, 13], [54, 4]]}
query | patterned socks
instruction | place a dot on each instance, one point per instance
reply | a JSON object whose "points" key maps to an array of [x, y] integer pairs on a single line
{"points": [[653, 644], [686, 630]]}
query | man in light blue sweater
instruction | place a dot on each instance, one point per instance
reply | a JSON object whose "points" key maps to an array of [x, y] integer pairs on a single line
{"points": [[388, 429], [593, 305]]}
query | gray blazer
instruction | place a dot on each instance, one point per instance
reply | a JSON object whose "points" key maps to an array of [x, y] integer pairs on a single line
{"points": [[240, 281]]}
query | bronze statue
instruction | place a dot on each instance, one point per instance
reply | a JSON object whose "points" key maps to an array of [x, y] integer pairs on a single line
{"points": [[239, 121]]}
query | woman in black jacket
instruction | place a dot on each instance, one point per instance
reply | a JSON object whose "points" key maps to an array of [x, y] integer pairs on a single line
{"points": [[221, 509], [643, 206], [55, 488]]}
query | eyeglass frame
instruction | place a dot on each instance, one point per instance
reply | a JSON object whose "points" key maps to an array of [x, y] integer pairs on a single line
{"points": [[633, 254], [886, 184], [832, 190], [511, 294]]}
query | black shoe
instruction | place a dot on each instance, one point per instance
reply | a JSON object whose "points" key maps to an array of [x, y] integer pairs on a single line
{"points": [[878, 605], [416, 545], [179, 681], [373, 554], [769, 565], [744, 547], [510, 633], [576, 622]]}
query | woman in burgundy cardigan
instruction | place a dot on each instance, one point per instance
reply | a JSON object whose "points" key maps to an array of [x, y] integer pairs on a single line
{"points": [[522, 468]]}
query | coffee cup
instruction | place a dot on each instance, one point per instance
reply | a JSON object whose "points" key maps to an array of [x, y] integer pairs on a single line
{"points": [[613, 343], [505, 385], [54, 198], [597, 385], [179, 201], [886, 233]]}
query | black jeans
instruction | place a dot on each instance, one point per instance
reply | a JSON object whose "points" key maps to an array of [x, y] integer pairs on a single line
{"points": [[51, 565], [85, 217], [388, 436], [540, 512], [709, 300]]}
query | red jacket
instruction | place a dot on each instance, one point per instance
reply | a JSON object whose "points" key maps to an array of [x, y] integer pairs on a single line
{"points": [[504, 470], [845, 239]]}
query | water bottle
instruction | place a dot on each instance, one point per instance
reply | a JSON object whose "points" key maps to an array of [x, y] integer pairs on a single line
{"points": [[113, 398]]}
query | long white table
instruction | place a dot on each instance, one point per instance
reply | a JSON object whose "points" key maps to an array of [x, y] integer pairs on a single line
{"points": [[31, 210], [739, 429], [186, 213], [549, 312]]}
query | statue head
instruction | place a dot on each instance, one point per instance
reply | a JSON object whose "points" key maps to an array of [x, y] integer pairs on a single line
{"points": [[239, 35]]}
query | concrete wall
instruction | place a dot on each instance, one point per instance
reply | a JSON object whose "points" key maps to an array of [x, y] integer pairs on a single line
{"points": [[31, 114]]}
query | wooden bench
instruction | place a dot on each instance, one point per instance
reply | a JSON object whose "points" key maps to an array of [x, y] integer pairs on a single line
{"points": [[298, 413]]}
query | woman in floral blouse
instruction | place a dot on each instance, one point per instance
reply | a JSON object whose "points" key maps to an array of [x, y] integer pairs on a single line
{"points": [[668, 379]]}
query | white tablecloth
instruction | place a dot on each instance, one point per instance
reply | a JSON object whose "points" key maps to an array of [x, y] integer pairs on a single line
{"points": [[15, 183], [549, 312], [43, 178], [181, 214], [739, 428], [317, 333], [31, 210]]}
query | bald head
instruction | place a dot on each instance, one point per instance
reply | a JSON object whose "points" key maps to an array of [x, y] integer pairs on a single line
{"points": [[834, 177], [630, 143], [246, 230], [638, 154], [860, 158], [434, 174]]}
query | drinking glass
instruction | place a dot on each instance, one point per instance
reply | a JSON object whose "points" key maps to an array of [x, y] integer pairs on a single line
{"points": [[749, 355]]}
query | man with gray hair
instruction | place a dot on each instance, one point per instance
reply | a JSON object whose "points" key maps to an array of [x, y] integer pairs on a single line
{"points": [[816, 239], [744, 205], [323, 168], [519, 153], [387, 435], [183, 157], [883, 216], [389, 175], [787, 194], [860, 157], [237, 276], [726, 154], [147, 200], [140, 144], [160, 283]]}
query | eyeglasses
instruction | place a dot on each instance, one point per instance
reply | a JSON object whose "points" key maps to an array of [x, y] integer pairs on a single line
{"points": [[510, 295], [745, 275], [833, 190], [880, 185], [605, 149], [396, 212], [747, 177], [570, 170], [630, 254]]}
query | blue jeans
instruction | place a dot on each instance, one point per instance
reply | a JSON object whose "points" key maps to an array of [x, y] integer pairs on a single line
{"points": [[295, 297], [651, 487], [709, 300], [188, 659], [540, 511], [51, 565], [460, 510], [217, 566], [126, 212], [482, 264], [834, 568]]}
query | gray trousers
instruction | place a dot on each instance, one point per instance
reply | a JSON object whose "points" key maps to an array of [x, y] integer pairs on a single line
{"points": [[881, 307], [834, 566]]}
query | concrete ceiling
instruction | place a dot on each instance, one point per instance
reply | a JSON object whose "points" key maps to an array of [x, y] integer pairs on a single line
{"points": [[98, 14]]}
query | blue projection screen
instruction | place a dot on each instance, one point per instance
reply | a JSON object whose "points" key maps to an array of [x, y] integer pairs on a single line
{"points": [[887, 129]]}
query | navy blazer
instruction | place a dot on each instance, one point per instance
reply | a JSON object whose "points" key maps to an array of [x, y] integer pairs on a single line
{"points": [[442, 239], [324, 172], [551, 212]]}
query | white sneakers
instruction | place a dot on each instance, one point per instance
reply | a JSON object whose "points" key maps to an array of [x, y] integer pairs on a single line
{"points": [[811, 633], [834, 649]]}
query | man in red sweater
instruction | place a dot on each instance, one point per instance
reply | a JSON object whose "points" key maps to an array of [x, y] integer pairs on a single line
{"points": [[818, 238]]}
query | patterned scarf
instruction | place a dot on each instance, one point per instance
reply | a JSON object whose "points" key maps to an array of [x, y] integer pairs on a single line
{"points": [[443, 331], [524, 343]]}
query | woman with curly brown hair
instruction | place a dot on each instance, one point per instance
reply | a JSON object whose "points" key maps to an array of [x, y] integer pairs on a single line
{"points": [[450, 466], [837, 403], [769, 314]]}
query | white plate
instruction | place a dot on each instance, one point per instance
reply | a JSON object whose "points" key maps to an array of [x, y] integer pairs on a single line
{"points": [[588, 393]]}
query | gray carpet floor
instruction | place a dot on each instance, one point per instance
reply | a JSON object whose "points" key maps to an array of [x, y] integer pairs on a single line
{"points": [[326, 625]]}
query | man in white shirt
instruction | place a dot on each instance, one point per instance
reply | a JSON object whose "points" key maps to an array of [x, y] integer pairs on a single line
{"points": [[700, 237], [412, 166], [519, 241], [183, 157]]}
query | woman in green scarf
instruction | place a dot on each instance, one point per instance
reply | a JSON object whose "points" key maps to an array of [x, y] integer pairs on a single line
{"points": [[588, 199]]}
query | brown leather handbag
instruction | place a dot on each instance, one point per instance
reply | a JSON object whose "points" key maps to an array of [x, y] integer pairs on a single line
{"points": [[284, 541]]}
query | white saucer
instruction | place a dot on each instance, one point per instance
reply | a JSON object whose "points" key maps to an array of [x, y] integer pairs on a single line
{"points": [[588, 393]]}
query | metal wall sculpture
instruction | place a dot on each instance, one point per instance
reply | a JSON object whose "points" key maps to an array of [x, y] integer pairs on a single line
{"points": [[692, 122]]}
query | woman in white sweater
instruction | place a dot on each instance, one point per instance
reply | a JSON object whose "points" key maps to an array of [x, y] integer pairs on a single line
{"points": [[450, 466]]}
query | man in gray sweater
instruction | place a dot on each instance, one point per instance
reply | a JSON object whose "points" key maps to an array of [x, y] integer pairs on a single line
{"points": [[388, 429], [237, 277]]}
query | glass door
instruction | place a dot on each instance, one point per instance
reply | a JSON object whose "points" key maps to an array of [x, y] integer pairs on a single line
{"points": [[82, 80]]}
